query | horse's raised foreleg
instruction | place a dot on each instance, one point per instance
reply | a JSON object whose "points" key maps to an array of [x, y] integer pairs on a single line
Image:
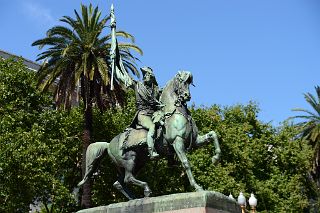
{"points": [[203, 139], [178, 146]]}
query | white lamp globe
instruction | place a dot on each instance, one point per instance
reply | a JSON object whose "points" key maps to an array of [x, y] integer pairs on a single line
{"points": [[241, 199], [253, 200]]}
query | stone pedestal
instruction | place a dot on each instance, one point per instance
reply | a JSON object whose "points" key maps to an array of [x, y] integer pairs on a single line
{"points": [[194, 202]]}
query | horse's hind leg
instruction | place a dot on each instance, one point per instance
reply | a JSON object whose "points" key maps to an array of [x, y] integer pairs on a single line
{"points": [[119, 184], [178, 146], [129, 177]]}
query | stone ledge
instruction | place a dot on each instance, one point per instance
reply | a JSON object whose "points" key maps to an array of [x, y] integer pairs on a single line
{"points": [[205, 201]]}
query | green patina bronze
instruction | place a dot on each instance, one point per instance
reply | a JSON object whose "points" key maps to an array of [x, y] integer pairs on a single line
{"points": [[147, 95], [174, 132]]}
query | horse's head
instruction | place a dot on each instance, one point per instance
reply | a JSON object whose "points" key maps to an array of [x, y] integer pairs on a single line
{"points": [[182, 81]]}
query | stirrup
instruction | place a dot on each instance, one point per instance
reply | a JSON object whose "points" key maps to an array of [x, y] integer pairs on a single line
{"points": [[153, 154]]}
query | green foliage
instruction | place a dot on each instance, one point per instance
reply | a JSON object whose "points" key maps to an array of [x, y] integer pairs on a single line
{"points": [[17, 89], [40, 153], [39, 147], [256, 157], [309, 129]]}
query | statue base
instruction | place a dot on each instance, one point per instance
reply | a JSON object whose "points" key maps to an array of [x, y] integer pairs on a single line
{"points": [[193, 202]]}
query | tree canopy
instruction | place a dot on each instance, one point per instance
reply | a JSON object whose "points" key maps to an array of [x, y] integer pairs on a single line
{"points": [[39, 147], [40, 153]]}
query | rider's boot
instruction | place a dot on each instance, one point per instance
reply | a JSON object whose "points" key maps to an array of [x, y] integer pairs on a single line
{"points": [[150, 142], [151, 150], [152, 153]]}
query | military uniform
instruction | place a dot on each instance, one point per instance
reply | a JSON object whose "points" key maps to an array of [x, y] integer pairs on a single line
{"points": [[147, 95]]}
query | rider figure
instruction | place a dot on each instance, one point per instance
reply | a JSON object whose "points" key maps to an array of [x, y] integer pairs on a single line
{"points": [[147, 102]]}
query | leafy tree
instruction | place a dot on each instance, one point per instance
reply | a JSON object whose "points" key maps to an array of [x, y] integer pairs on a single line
{"points": [[39, 146], [40, 158], [309, 130], [78, 57], [256, 157]]}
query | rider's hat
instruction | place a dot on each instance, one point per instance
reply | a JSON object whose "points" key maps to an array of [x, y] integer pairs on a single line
{"points": [[145, 70]]}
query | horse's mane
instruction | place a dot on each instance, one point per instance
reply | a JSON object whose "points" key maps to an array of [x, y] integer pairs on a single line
{"points": [[169, 93], [182, 75], [169, 88]]}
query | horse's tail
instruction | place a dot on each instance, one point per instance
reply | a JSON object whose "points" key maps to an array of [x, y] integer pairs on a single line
{"points": [[95, 152]]}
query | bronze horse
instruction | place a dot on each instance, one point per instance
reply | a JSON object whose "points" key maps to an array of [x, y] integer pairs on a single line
{"points": [[128, 150]]}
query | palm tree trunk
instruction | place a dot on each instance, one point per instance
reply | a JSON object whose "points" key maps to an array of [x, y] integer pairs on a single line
{"points": [[87, 132], [86, 140], [317, 167]]}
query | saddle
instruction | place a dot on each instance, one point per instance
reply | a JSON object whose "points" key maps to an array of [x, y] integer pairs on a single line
{"points": [[134, 137]]}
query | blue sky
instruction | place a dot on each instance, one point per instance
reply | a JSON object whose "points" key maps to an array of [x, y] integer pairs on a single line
{"points": [[265, 51]]}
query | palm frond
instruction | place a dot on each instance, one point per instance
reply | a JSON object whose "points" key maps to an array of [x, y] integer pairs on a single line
{"points": [[78, 52], [131, 46], [313, 102], [74, 24], [306, 111], [125, 35], [310, 127], [103, 70], [62, 32], [132, 68], [84, 16]]}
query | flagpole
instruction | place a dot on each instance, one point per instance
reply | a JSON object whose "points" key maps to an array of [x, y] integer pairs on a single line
{"points": [[118, 70], [113, 44]]}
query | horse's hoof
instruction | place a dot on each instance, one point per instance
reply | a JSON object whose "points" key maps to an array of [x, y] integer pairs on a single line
{"points": [[147, 193], [81, 183], [154, 155], [214, 160], [199, 188]]}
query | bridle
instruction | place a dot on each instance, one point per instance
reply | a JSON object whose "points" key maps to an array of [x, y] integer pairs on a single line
{"points": [[179, 86]]}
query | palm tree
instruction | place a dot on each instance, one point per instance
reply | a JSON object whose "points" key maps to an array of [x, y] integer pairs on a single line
{"points": [[310, 130], [77, 61]]}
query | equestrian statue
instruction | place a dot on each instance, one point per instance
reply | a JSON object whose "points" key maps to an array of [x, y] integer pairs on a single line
{"points": [[173, 130], [162, 126]]}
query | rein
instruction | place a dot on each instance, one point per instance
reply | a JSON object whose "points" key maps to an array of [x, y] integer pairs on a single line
{"points": [[177, 91]]}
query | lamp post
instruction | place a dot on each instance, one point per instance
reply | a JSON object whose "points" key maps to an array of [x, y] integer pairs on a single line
{"points": [[253, 203], [242, 202]]}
